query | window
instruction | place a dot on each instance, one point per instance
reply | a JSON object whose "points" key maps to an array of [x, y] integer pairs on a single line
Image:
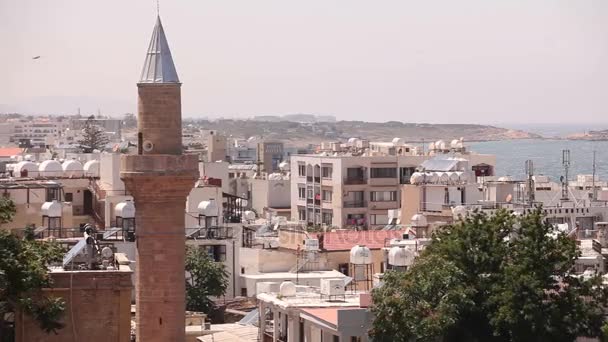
{"points": [[69, 197], [326, 218], [302, 214], [383, 172], [301, 193], [354, 173], [301, 170], [326, 172], [309, 193], [378, 219], [216, 252], [326, 195], [406, 174], [52, 194], [383, 196]]}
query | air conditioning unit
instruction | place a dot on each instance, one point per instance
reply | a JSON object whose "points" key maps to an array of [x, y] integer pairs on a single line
{"points": [[332, 287]]}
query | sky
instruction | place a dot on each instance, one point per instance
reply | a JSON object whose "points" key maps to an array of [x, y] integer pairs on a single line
{"points": [[466, 61]]}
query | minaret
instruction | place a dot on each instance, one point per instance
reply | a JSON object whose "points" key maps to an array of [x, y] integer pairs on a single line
{"points": [[160, 178]]}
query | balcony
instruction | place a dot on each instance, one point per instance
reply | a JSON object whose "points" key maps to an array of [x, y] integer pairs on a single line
{"points": [[355, 180], [383, 181], [355, 204]]}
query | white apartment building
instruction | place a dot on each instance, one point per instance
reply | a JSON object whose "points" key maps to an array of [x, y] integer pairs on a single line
{"points": [[38, 132], [354, 185]]}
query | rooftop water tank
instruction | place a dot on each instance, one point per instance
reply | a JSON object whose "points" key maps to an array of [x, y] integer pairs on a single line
{"points": [[284, 166], [444, 178], [25, 169], [28, 157], [51, 209], [91, 168], [419, 220], [432, 177], [125, 209], [398, 142], [459, 212], [417, 178], [287, 289], [454, 177], [50, 168], [360, 255], [440, 145], [208, 208], [72, 168], [400, 256], [249, 215]]}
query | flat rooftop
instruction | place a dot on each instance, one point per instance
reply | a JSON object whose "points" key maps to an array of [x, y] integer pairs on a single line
{"points": [[293, 275], [310, 297]]}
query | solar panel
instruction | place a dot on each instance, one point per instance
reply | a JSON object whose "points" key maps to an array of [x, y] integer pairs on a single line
{"points": [[74, 252], [111, 232], [192, 232], [251, 318], [39, 230]]}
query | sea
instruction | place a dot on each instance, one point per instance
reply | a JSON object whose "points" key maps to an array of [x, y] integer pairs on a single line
{"points": [[511, 156]]}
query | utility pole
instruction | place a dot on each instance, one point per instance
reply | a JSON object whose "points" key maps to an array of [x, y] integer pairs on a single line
{"points": [[593, 180], [566, 165], [530, 185]]}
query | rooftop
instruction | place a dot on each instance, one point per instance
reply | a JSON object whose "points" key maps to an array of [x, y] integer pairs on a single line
{"points": [[310, 297], [291, 275], [344, 240]]}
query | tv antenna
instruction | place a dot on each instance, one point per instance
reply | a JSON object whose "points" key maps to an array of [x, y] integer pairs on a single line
{"points": [[593, 180], [566, 165], [530, 181]]}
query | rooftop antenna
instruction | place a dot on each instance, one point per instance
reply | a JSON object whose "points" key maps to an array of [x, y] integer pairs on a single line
{"points": [[593, 180], [566, 165], [530, 176]]}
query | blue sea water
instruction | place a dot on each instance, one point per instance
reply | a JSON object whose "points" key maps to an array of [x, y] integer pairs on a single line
{"points": [[511, 156]]}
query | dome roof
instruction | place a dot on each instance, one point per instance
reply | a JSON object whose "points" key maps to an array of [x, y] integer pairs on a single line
{"points": [[72, 168], [432, 177], [125, 209], [419, 220], [287, 289], [50, 168], [91, 168], [360, 255], [208, 208], [401, 256], [51, 209], [25, 166], [353, 140]]}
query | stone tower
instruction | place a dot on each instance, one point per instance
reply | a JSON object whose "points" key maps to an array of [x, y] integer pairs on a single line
{"points": [[160, 178]]}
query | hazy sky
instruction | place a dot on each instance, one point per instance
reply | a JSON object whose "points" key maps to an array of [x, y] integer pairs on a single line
{"points": [[478, 61]]}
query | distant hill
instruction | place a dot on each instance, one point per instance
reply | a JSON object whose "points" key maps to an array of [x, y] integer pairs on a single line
{"points": [[315, 132]]}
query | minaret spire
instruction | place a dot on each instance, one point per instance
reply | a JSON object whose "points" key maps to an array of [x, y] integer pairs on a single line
{"points": [[158, 66]]}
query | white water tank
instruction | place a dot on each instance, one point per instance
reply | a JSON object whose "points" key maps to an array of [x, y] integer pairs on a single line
{"points": [[125, 210], [440, 145], [284, 166], [444, 178], [50, 168], [419, 220], [91, 168], [459, 212], [208, 208], [398, 142], [28, 157], [249, 215], [417, 178], [360, 255], [287, 289], [401, 256], [454, 177], [432, 177], [72, 168], [25, 169], [51, 209]]}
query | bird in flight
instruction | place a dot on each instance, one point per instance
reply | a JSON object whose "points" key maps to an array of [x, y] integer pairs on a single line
{"points": [[36, 57]]}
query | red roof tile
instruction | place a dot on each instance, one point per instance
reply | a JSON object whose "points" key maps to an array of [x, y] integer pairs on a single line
{"points": [[10, 151], [344, 240]]}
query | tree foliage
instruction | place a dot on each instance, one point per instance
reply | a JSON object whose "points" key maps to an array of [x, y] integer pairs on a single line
{"points": [[206, 278], [491, 278], [93, 137], [23, 273]]}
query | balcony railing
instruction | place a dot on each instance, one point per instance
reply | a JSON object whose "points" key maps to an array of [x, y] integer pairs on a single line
{"points": [[210, 233], [355, 180], [355, 204]]}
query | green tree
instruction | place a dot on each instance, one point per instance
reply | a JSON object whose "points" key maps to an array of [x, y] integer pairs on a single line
{"points": [[93, 137], [206, 278], [23, 273], [491, 278]]}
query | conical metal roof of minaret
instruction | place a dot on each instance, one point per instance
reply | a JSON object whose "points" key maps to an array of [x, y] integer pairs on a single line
{"points": [[158, 67]]}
